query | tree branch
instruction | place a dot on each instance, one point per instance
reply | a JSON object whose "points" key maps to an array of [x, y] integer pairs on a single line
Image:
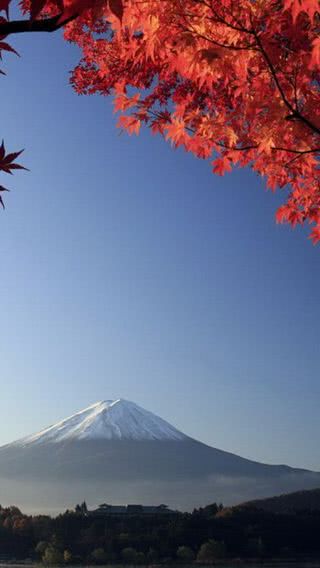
{"points": [[294, 113], [26, 26]]}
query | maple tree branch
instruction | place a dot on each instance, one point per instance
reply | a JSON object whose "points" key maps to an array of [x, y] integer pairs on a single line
{"points": [[251, 47], [299, 152], [27, 26], [274, 148], [239, 27], [294, 113]]}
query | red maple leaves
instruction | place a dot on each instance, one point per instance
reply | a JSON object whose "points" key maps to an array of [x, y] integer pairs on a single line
{"points": [[234, 82], [222, 165], [237, 82], [69, 9]]}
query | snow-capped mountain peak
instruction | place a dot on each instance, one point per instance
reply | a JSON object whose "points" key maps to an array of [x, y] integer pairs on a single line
{"points": [[108, 420]]}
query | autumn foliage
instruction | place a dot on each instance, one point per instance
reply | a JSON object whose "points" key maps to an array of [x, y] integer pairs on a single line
{"points": [[233, 82]]}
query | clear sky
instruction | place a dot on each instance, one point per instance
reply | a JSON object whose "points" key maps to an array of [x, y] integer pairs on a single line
{"points": [[129, 270]]}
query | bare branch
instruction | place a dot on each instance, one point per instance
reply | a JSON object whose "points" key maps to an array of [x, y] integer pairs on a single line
{"points": [[30, 26]]}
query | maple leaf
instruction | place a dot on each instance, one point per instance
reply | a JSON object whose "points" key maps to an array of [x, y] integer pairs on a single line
{"points": [[310, 7], [36, 7], [6, 47], [4, 6], [315, 55], [130, 123], [73, 8], [282, 214], [176, 132], [315, 235], [231, 136], [266, 144], [1, 199], [221, 165], [116, 7], [7, 161], [158, 127], [200, 147], [123, 102]]}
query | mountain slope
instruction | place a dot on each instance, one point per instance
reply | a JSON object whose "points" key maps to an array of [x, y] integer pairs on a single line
{"points": [[289, 502], [115, 451], [107, 420]]}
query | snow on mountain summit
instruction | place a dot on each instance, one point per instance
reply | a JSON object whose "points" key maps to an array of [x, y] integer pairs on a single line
{"points": [[109, 420]]}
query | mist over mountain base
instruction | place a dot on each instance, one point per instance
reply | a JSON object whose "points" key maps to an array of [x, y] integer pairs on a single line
{"points": [[50, 478], [53, 498]]}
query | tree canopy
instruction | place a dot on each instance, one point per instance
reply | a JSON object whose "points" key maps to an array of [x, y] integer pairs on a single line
{"points": [[236, 83]]}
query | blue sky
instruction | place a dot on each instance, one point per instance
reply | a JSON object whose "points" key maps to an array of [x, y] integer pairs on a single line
{"points": [[129, 270]]}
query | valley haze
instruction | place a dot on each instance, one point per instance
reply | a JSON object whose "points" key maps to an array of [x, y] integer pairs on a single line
{"points": [[117, 452]]}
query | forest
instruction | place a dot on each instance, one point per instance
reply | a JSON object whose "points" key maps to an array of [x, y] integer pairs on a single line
{"points": [[212, 534]]}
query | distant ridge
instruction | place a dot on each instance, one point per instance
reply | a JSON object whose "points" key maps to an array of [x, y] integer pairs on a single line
{"points": [[308, 500]]}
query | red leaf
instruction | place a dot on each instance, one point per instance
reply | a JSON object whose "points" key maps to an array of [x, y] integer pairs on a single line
{"points": [[7, 161], [1, 200], [221, 166], [6, 47], [2, 151], [315, 235], [116, 7], [4, 5], [130, 124], [282, 214], [11, 157], [36, 7]]}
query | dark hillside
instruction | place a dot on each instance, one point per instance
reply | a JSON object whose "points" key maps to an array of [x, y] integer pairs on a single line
{"points": [[289, 502]]}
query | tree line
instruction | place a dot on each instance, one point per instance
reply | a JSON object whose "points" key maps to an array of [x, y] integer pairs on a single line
{"points": [[203, 536]]}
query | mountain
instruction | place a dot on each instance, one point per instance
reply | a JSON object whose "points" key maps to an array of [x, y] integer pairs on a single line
{"points": [[106, 420], [115, 451], [289, 502]]}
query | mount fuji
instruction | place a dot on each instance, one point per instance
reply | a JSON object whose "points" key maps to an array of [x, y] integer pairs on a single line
{"points": [[115, 451], [107, 420]]}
